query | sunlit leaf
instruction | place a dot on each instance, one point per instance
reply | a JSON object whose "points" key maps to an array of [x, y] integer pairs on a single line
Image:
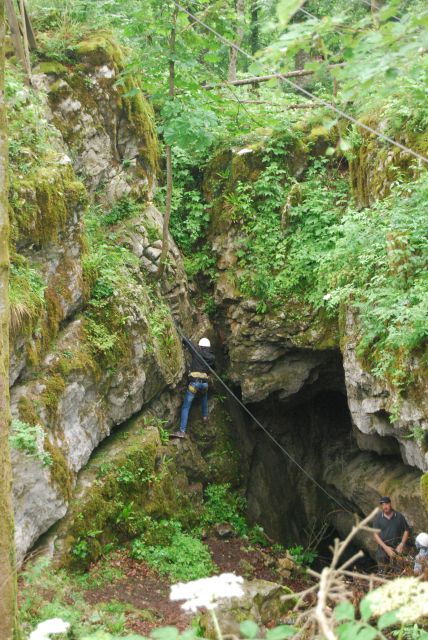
{"points": [[281, 632], [287, 8], [386, 620], [249, 629], [344, 611]]}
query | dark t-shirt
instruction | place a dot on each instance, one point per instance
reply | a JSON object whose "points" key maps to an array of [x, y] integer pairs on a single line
{"points": [[201, 357], [391, 530]]}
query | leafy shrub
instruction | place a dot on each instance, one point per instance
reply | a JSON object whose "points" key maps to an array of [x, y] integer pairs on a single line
{"points": [[184, 558], [302, 556], [29, 438], [378, 264], [222, 505], [121, 210]]}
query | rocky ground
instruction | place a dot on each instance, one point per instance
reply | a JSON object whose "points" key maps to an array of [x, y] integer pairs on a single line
{"points": [[145, 594]]}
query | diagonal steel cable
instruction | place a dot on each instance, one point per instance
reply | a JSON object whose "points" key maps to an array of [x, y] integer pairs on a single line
{"points": [[307, 93], [259, 424]]}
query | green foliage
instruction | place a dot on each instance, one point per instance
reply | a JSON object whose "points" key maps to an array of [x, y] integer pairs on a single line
{"points": [[48, 593], [350, 628], [182, 557], [26, 295], [31, 137], [112, 274], [188, 124], [222, 505], [121, 210], [302, 556], [29, 439], [379, 265], [280, 257], [249, 629]]}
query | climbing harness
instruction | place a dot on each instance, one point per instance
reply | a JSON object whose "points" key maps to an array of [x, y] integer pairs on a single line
{"points": [[259, 424]]}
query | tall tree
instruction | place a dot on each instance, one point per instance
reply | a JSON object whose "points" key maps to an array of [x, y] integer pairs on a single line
{"points": [[8, 606]]}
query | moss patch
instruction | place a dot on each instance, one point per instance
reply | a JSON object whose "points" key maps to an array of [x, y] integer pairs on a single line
{"points": [[61, 475], [100, 48], [44, 202], [130, 485]]}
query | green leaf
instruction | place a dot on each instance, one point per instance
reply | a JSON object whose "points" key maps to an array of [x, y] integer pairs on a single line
{"points": [[386, 620], [344, 611], [330, 151], [286, 10], [391, 73], [365, 609], [281, 632], [367, 633], [131, 93], [249, 629], [344, 145], [348, 630], [166, 633]]}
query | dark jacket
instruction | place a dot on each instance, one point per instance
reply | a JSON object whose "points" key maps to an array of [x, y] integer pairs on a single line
{"points": [[201, 357]]}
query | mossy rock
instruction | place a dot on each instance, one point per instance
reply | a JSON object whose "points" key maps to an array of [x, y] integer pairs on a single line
{"points": [[215, 439], [262, 602], [128, 482], [51, 67], [48, 198], [98, 48]]}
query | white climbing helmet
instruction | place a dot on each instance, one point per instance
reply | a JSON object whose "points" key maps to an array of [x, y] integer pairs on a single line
{"points": [[422, 540], [204, 342]]}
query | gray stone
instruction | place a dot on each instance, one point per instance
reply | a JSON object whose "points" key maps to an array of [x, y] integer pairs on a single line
{"points": [[262, 601]]}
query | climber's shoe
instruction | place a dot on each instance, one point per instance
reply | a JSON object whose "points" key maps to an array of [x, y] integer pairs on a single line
{"points": [[178, 434]]}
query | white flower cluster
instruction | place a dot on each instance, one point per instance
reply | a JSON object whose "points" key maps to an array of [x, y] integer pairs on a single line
{"points": [[47, 628], [408, 597], [207, 591]]}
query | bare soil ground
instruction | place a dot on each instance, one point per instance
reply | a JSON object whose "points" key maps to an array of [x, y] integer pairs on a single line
{"points": [[147, 593]]}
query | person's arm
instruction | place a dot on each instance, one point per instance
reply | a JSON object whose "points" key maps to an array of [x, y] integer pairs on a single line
{"points": [[388, 550], [400, 548], [188, 343]]}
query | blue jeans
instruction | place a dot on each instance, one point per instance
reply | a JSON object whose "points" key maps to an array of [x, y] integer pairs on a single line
{"points": [[202, 388]]}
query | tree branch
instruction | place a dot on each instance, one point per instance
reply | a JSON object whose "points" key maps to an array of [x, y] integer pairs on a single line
{"points": [[298, 73]]}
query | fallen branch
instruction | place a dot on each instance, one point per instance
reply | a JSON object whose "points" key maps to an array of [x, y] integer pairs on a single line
{"points": [[285, 105], [298, 73]]}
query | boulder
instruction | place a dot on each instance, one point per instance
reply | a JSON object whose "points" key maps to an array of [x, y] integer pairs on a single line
{"points": [[263, 602]]}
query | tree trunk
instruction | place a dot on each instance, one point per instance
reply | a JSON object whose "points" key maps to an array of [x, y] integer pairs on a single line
{"points": [[8, 606], [168, 152], [254, 29], [240, 17]]}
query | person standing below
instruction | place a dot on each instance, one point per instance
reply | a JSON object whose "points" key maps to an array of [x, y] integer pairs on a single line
{"points": [[202, 360], [393, 535]]}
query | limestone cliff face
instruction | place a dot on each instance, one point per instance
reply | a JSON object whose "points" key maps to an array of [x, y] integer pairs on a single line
{"points": [[81, 365], [290, 358]]}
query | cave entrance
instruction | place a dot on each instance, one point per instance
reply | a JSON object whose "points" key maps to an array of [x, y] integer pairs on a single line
{"points": [[316, 431]]}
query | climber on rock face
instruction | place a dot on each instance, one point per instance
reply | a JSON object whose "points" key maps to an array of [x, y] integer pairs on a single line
{"points": [[202, 359], [393, 534]]}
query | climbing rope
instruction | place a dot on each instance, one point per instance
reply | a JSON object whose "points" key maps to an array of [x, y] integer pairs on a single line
{"points": [[307, 93], [259, 424]]}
